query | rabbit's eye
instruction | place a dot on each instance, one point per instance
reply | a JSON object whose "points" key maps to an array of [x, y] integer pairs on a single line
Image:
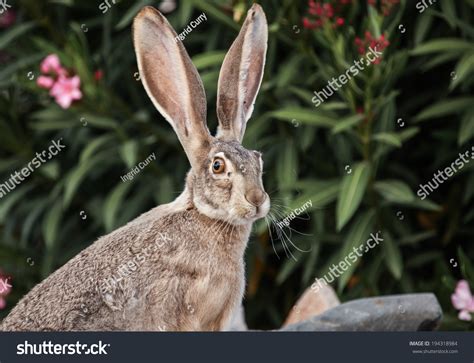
{"points": [[218, 165]]}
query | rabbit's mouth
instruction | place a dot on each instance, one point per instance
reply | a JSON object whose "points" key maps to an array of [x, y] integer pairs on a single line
{"points": [[257, 212]]}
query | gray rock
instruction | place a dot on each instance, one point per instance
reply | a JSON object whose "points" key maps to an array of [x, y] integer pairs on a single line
{"points": [[411, 312], [237, 322]]}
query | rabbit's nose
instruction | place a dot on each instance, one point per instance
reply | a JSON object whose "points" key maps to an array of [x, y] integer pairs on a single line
{"points": [[255, 197]]}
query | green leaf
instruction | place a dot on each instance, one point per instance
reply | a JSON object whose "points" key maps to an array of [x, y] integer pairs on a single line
{"points": [[129, 152], [209, 80], [9, 200], [437, 60], [390, 138], [467, 267], [14, 32], [466, 130], [76, 176], [425, 204], [416, 238], [8, 71], [444, 108], [320, 193], [346, 123], [214, 12], [288, 267], [303, 94], [408, 133], [351, 193], [443, 45], [288, 72], [50, 170], [463, 69], [209, 59], [392, 255], [51, 224], [395, 191], [130, 13], [101, 121], [305, 116], [310, 262], [50, 125], [422, 27], [32, 220], [374, 21], [185, 11], [286, 165], [93, 146], [358, 234], [114, 203], [449, 11]]}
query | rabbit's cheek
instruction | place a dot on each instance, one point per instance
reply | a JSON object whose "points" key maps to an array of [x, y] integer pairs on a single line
{"points": [[224, 183]]}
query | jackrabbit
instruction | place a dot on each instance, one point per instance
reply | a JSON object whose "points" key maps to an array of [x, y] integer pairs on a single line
{"points": [[183, 260]]}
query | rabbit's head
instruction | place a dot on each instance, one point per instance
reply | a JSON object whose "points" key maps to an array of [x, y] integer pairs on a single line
{"points": [[225, 180]]}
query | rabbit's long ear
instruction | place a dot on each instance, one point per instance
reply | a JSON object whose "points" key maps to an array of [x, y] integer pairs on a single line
{"points": [[171, 81], [241, 75]]}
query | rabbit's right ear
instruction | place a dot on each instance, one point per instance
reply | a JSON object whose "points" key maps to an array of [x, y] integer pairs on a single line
{"points": [[241, 75], [171, 81]]}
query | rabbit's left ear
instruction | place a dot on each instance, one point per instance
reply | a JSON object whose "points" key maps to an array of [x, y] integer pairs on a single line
{"points": [[172, 81], [241, 75]]}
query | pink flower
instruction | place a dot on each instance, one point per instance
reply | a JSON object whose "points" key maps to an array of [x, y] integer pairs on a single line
{"points": [[63, 88], [379, 44], [51, 64], [98, 74], [7, 19], [66, 90], [45, 82], [321, 12], [463, 300]]}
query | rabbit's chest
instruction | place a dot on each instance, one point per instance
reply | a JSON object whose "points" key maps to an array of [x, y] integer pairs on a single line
{"points": [[217, 295]]}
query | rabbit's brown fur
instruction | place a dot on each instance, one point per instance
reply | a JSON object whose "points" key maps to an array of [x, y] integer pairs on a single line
{"points": [[187, 255], [171, 290]]}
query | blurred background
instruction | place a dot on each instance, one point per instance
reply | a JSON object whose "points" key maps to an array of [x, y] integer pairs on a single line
{"points": [[68, 70]]}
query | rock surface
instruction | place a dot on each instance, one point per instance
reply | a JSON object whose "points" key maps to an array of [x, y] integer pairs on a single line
{"points": [[237, 322], [411, 312], [312, 303]]}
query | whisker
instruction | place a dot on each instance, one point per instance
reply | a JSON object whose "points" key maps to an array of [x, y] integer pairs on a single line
{"points": [[271, 237]]}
